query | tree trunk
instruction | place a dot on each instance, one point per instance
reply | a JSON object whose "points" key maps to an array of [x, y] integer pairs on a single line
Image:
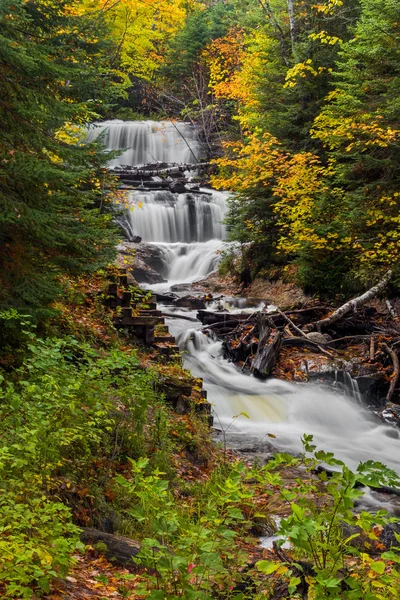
{"points": [[268, 350], [293, 24], [351, 305]]}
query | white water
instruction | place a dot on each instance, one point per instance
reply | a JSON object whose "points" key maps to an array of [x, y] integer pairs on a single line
{"points": [[161, 216], [187, 229], [284, 409], [148, 141]]}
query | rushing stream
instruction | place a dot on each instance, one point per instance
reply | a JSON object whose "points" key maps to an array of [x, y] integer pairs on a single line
{"points": [[187, 230]]}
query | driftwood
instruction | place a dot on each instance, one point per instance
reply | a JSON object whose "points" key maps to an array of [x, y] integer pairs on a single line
{"points": [[119, 549], [396, 371], [268, 350], [351, 305], [372, 349]]}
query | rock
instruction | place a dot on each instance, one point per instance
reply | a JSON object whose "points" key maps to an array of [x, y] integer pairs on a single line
{"points": [[143, 261], [391, 415], [181, 287], [136, 239], [190, 302], [178, 187], [319, 338]]}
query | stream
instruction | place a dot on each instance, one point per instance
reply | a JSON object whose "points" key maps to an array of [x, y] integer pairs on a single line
{"points": [[187, 230]]}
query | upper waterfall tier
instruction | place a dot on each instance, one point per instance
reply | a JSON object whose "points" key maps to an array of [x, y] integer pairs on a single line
{"points": [[148, 141]]}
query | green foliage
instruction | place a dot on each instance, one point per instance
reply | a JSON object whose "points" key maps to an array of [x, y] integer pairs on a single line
{"points": [[67, 407], [329, 100], [54, 79], [37, 540], [324, 532], [200, 28], [189, 547]]}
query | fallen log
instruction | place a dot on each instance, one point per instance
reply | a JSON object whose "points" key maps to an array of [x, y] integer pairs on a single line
{"points": [[119, 549], [153, 170], [221, 324], [175, 316], [352, 305], [268, 351], [396, 371]]}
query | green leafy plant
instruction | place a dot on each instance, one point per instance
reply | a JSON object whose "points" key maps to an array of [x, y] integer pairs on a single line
{"points": [[37, 540], [330, 540], [189, 547]]}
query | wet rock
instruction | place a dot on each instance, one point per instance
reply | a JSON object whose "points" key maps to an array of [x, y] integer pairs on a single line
{"points": [[181, 287], [178, 187], [145, 274], [190, 302], [143, 261], [391, 415], [136, 239]]}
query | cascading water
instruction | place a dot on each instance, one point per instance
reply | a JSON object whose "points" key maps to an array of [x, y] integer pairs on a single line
{"points": [[187, 230], [172, 218], [186, 227], [148, 141], [286, 410]]}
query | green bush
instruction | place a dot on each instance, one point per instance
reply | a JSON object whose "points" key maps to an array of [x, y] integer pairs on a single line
{"points": [[37, 540], [324, 527], [67, 410]]}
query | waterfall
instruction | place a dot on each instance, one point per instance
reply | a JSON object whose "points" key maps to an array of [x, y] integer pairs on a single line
{"points": [[187, 228], [188, 232], [286, 410], [162, 216], [148, 141]]}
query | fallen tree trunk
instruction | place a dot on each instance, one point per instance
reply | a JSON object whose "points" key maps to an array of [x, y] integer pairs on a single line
{"points": [[119, 549], [351, 305], [268, 351], [153, 170]]}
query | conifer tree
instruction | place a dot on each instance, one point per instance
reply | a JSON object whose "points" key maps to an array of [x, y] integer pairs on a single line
{"points": [[360, 126], [53, 78]]}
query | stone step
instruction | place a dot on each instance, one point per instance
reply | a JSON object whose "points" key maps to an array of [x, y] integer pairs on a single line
{"points": [[166, 350], [155, 313], [164, 338], [202, 408], [138, 305], [140, 320]]}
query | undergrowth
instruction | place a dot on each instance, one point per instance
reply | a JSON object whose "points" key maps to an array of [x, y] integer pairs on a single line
{"points": [[86, 437]]}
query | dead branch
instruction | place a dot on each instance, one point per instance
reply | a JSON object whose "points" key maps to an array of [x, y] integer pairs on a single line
{"points": [[372, 349], [301, 333], [396, 371], [391, 310], [351, 305]]}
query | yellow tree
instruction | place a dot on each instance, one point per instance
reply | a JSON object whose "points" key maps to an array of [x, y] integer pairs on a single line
{"points": [[141, 30]]}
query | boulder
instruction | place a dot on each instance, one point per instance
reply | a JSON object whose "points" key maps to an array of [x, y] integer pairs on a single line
{"points": [[143, 261], [190, 302]]}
